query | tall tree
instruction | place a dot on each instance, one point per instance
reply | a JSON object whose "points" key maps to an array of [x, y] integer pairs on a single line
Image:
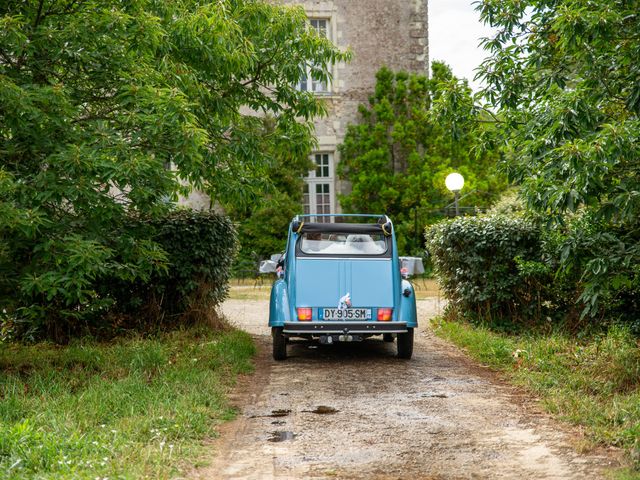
{"points": [[98, 98], [412, 134], [566, 77]]}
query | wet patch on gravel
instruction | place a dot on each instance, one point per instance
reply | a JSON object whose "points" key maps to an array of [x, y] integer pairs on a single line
{"points": [[281, 436], [322, 410], [274, 414], [279, 413]]}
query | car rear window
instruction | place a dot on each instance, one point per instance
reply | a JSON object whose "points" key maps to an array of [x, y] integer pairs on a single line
{"points": [[352, 244]]}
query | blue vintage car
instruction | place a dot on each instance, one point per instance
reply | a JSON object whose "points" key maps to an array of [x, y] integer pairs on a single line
{"points": [[341, 282]]}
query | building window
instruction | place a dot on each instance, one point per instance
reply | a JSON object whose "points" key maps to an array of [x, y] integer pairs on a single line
{"points": [[308, 84], [323, 198], [317, 197], [322, 165], [306, 200], [320, 26]]}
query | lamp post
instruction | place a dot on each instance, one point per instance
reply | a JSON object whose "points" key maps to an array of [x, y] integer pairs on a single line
{"points": [[454, 183]]}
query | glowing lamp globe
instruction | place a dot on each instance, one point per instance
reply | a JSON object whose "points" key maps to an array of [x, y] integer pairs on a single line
{"points": [[454, 182]]}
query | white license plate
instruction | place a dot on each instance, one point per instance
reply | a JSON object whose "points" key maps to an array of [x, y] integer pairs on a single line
{"points": [[346, 314]]}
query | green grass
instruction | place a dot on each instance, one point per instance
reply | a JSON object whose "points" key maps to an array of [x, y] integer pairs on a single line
{"points": [[243, 289], [249, 292], [134, 408], [593, 382]]}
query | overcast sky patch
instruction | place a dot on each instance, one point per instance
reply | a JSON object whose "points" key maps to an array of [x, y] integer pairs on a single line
{"points": [[455, 31]]}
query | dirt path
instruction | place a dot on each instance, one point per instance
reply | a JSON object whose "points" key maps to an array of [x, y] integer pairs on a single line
{"points": [[357, 412]]}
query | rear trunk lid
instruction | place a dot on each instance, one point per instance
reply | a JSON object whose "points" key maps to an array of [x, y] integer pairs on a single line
{"points": [[323, 282]]}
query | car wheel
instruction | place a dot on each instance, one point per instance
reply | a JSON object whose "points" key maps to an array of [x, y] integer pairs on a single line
{"points": [[388, 337], [279, 344], [405, 344]]}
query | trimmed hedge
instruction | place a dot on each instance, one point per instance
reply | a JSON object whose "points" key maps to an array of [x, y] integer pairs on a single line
{"points": [[163, 273], [507, 269], [490, 266], [201, 247]]}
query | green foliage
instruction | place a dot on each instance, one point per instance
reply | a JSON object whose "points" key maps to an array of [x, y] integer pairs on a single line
{"points": [[490, 267], [136, 408], [414, 132], [504, 269], [265, 231], [98, 98], [593, 382], [200, 248], [564, 75], [601, 254], [509, 203], [195, 251], [263, 224]]}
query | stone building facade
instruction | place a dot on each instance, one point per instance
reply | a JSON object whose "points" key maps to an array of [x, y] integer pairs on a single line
{"points": [[392, 33]]}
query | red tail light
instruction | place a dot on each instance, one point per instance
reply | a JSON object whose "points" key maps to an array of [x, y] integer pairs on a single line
{"points": [[304, 314], [385, 314]]}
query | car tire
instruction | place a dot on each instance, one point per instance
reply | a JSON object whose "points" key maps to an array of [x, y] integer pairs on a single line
{"points": [[279, 344], [405, 344], [388, 337]]}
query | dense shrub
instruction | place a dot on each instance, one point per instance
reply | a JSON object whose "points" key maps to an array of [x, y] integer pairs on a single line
{"points": [[490, 266], [598, 260], [509, 269], [201, 248], [189, 264]]}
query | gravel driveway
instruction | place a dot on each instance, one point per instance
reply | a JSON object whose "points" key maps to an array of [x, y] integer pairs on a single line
{"points": [[357, 412]]}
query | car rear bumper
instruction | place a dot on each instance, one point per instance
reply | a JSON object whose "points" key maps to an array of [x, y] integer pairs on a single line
{"points": [[344, 327]]}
